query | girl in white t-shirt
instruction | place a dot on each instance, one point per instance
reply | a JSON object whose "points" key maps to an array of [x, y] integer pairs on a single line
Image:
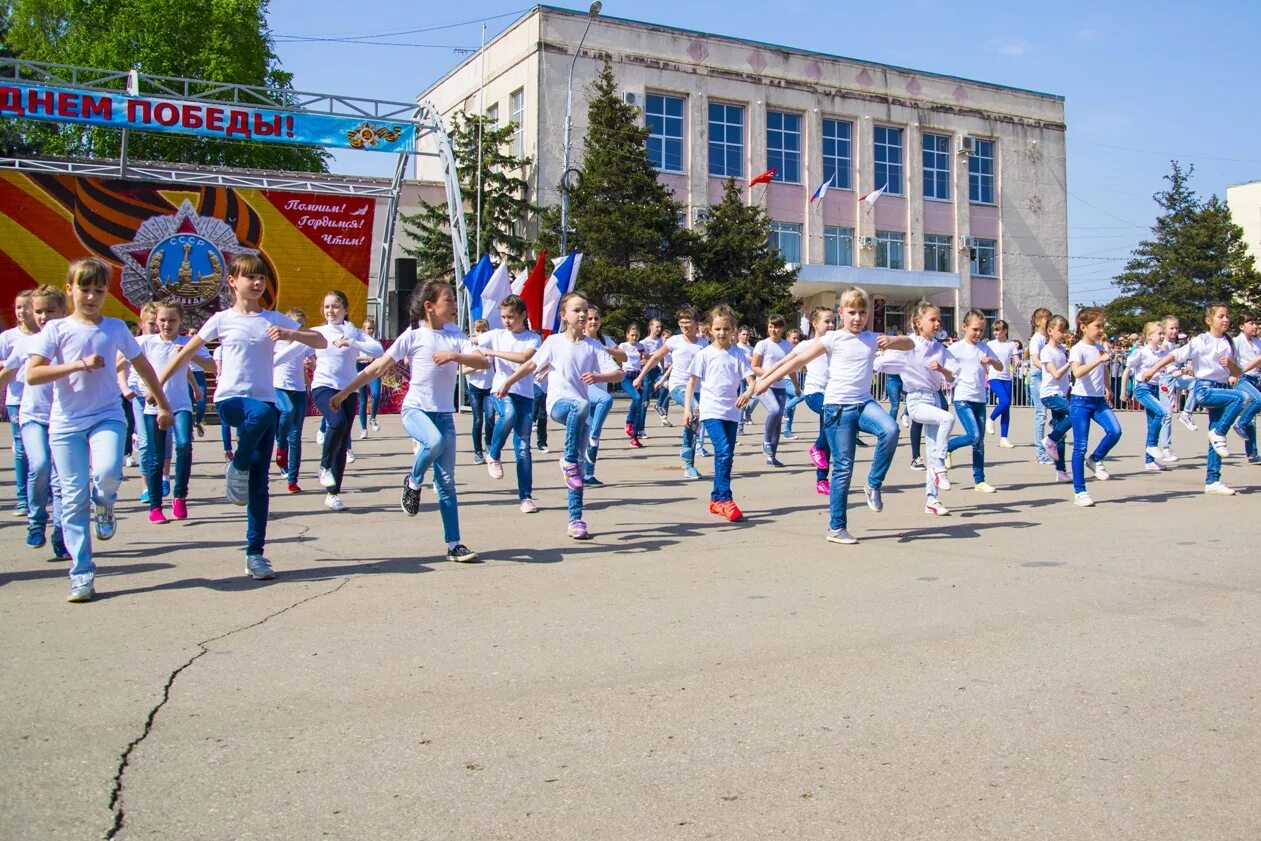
{"points": [[648, 393], [1053, 369], [1148, 393], [973, 360], [85, 424], [681, 347], [245, 394], [1005, 352], [1211, 357], [745, 345], [924, 375], [572, 363], [851, 352], [718, 371], [822, 322], [601, 400], [509, 348], [433, 347], [1037, 340], [766, 355], [290, 378], [631, 368], [1090, 400]]}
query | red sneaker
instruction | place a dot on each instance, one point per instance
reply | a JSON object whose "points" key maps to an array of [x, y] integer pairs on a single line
{"points": [[630, 430], [227, 455], [731, 511], [282, 459], [294, 489], [716, 508], [636, 443]]}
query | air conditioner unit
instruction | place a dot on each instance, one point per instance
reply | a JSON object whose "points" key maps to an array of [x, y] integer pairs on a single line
{"points": [[631, 98], [867, 242], [972, 242], [702, 214], [967, 145]]}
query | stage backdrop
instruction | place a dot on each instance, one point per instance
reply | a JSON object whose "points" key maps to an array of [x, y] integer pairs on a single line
{"points": [[165, 240]]}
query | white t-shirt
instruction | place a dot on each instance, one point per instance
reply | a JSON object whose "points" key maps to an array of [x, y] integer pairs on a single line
{"points": [[851, 362], [8, 341], [1053, 355], [635, 355], [1203, 353], [1092, 385], [566, 361], [682, 352], [970, 380], [1036, 343], [891, 362], [159, 353], [720, 372], [605, 342], [289, 361], [83, 399], [335, 366], [245, 352], [1247, 350], [483, 378], [772, 353], [916, 375], [431, 387], [37, 400], [1003, 352], [503, 339], [816, 371], [1142, 359]]}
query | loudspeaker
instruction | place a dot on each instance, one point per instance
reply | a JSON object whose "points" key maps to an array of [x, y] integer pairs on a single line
{"points": [[400, 303], [404, 274]]}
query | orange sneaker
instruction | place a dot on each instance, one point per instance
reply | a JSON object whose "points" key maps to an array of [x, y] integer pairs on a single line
{"points": [[731, 511], [716, 508]]}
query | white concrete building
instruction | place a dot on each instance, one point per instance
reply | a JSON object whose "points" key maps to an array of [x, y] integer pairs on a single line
{"points": [[974, 209], [1244, 201]]}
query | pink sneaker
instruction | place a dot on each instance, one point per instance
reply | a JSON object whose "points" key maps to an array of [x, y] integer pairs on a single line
{"points": [[179, 508], [156, 515], [573, 476], [495, 468], [818, 457], [528, 506], [578, 530], [823, 487]]}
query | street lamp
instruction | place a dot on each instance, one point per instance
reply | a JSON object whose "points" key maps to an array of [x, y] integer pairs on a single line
{"points": [[592, 14]]}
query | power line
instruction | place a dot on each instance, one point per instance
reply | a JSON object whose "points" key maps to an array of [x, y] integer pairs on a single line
{"points": [[1171, 155], [361, 38]]}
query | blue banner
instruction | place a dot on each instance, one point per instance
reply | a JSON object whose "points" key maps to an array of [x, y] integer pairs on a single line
{"points": [[204, 119]]}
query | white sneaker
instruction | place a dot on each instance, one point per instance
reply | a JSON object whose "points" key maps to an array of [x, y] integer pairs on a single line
{"points": [[1156, 453], [942, 478], [985, 488], [1083, 500], [1100, 474], [350, 456], [1169, 456], [376, 427], [1005, 444], [936, 508], [1218, 443], [1061, 476], [326, 478], [989, 426], [129, 462], [906, 422], [1049, 447], [1154, 467], [258, 568], [363, 433], [319, 437], [334, 503], [1184, 418], [1219, 489]]}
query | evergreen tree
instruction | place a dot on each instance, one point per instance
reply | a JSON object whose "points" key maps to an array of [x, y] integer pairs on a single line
{"points": [[624, 221], [504, 203], [735, 264], [224, 42], [1196, 255]]}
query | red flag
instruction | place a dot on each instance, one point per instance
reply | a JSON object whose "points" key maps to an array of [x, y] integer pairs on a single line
{"points": [[765, 177], [532, 292]]}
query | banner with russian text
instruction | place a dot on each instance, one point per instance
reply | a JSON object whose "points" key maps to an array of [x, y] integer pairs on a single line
{"points": [[173, 241], [205, 119]]}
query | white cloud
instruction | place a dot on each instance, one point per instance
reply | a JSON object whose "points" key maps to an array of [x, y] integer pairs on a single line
{"points": [[1010, 47], [1087, 35]]}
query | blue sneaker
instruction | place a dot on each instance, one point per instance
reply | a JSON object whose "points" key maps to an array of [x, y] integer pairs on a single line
{"points": [[60, 552], [690, 472], [478, 458], [766, 450], [706, 453], [144, 495], [591, 480], [166, 487], [36, 539]]}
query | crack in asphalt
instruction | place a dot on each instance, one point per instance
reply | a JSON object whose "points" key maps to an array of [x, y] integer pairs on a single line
{"points": [[124, 760]]}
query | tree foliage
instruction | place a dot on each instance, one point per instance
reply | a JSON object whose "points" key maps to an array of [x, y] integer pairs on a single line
{"points": [[623, 220], [216, 40], [504, 207], [735, 264], [1195, 256]]}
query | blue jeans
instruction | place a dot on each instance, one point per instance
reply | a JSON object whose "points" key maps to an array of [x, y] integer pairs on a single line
{"points": [[153, 456], [540, 415], [649, 389], [815, 402], [20, 467], [893, 393], [483, 424], [688, 452], [1148, 395], [1002, 405], [90, 466], [515, 414], [773, 400], [790, 406], [874, 420], [1061, 423], [136, 409], [1224, 405], [373, 390], [722, 434], [435, 432], [338, 424], [292, 406], [840, 425], [255, 424], [635, 409], [1248, 417], [573, 415], [1081, 411], [1039, 413], [971, 418], [917, 429], [199, 406], [42, 482], [601, 405]]}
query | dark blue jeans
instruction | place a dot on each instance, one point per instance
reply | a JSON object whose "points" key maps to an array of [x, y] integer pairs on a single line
{"points": [[153, 456], [337, 435], [199, 406], [649, 389], [1081, 411], [972, 418], [635, 409], [1001, 390], [1060, 425], [483, 423], [893, 393], [292, 406], [815, 402], [516, 415], [255, 424], [722, 434]]}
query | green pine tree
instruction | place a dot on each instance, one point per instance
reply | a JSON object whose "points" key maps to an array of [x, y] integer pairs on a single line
{"points": [[505, 207], [735, 264], [622, 219], [1196, 256]]}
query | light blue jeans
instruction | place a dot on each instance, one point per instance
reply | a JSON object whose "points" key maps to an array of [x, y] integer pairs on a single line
{"points": [[20, 467], [435, 432], [42, 481], [515, 414], [1248, 417], [1224, 405], [573, 415], [922, 408], [874, 420], [840, 424], [601, 405], [90, 467], [1039, 414]]}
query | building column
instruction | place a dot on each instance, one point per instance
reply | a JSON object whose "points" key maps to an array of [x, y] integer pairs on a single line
{"points": [[913, 175], [864, 146], [812, 176]]}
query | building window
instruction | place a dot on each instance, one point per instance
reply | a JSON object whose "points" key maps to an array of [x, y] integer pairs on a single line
{"points": [[726, 140], [492, 116], [516, 108], [783, 146], [990, 317], [890, 249], [838, 246], [664, 117], [888, 154], [786, 238], [895, 318], [937, 253], [937, 167], [947, 319], [981, 172], [984, 257], [838, 154]]}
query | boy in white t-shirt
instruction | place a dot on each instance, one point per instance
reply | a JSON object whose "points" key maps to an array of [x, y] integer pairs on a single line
{"points": [[682, 347]]}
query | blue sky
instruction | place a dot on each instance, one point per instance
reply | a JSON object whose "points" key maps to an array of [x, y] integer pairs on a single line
{"points": [[1144, 83]]}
